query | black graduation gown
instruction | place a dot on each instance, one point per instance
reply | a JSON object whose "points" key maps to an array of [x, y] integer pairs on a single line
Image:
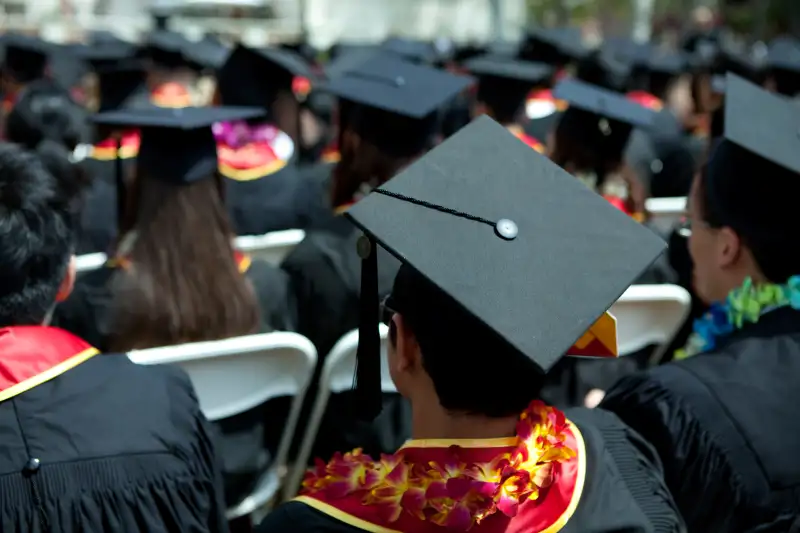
{"points": [[108, 457], [325, 274], [272, 202], [246, 445], [321, 215], [623, 491], [725, 426]]}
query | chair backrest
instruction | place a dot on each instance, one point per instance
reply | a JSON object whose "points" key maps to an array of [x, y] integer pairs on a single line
{"points": [[665, 213], [234, 375], [340, 364], [650, 314], [89, 262], [271, 247]]}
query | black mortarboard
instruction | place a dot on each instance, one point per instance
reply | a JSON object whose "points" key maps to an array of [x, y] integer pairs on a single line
{"points": [[209, 53], [602, 68], [666, 62], [100, 56], [600, 118], [397, 101], [166, 49], [410, 49], [348, 60], [254, 77], [556, 46], [25, 57], [67, 66], [504, 84], [500, 235], [177, 145], [762, 144], [783, 61]]}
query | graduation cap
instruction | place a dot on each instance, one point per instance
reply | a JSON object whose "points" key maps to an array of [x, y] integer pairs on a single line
{"points": [[602, 68], [177, 145], [209, 53], [25, 57], [100, 56], [557, 46], [411, 49], [600, 118], [349, 60], [762, 143], [122, 86], [783, 61], [397, 102], [254, 77], [493, 238], [504, 84], [167, 49]]}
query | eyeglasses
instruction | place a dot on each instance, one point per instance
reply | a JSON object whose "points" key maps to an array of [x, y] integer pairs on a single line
{"points": [[387, 310]]}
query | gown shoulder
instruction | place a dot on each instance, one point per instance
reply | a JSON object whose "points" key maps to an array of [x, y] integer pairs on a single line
{"points": [[273, 290], [86, 313]]}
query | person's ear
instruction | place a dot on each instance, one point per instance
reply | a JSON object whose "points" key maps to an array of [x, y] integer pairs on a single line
{"points": [[406, 348], [68, 283], [729, 247]]}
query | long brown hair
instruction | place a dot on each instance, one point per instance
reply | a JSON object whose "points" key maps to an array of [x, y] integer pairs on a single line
{"points": [[181, 283], [362, 163]]}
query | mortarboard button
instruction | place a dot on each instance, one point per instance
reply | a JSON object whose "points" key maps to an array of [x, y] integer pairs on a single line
{"points": [[400, 81], [363, 247], [32, 466], [506, 229]]}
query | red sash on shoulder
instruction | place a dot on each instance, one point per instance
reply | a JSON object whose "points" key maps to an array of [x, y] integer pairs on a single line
{"points": [[330, 154], [106, 150], [172, 95], [646, 99], [527, 139], [529, 483], [253, 161], [32, 355]]}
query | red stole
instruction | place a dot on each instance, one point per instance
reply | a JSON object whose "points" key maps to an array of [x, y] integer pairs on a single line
{"points": [[106, 150], [527, 139], [252, 161], [32, 355], [301, 87], [330, 154], [479, 485], [541, 103], [171, 95], [646, 99]]}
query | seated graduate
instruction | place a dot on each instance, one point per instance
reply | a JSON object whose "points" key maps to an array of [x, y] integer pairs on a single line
{"points": [[84, 448], [258, 157], [722, 418], [25, 61], [498, 283], [171, 73], [175, 277], [590, 139], [503, 85], [389, 126]]}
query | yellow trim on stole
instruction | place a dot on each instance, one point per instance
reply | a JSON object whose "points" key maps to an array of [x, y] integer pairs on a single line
{"points": [[555, 527], [108, 153], [48, 374], [605, 331], [250, 174], [341, 516], [500, 442]]}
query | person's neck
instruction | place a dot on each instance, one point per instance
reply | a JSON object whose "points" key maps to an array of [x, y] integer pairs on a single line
{"points": [[434, 422]]}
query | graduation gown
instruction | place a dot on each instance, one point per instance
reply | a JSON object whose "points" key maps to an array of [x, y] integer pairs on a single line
{"points": [[85, 450], [325, 274], [262, 189], [725, 426], [543, 112], [99, 215], [612, 483]]}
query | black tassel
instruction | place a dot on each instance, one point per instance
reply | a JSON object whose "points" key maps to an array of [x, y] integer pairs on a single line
{"points": [[368, 394], [119, 180]]}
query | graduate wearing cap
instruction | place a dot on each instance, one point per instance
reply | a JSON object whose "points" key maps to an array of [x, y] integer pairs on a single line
{"points": [[503, 85], [591, 137], [91, 442], [174, 276], [258, 157], [171, 71], [25, 61], [722, 417], [491, 293], [391, 110]]}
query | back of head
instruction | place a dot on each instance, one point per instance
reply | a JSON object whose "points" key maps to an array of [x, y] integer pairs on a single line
{"points": [[46, 111], [36, 236], [183, 283]]}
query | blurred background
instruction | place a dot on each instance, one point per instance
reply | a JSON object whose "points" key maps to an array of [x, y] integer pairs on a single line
{"points": [[323, 22]]}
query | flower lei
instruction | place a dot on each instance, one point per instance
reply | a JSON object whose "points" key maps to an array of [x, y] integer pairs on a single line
{"points": [[745, 304], [453, 494], [238, 134]]}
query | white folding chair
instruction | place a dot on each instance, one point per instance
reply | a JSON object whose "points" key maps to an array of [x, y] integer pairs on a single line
{"points": [[650, 314], [336, 376], [665, 213], [89, 262], [271, 247], [231, 376]]}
